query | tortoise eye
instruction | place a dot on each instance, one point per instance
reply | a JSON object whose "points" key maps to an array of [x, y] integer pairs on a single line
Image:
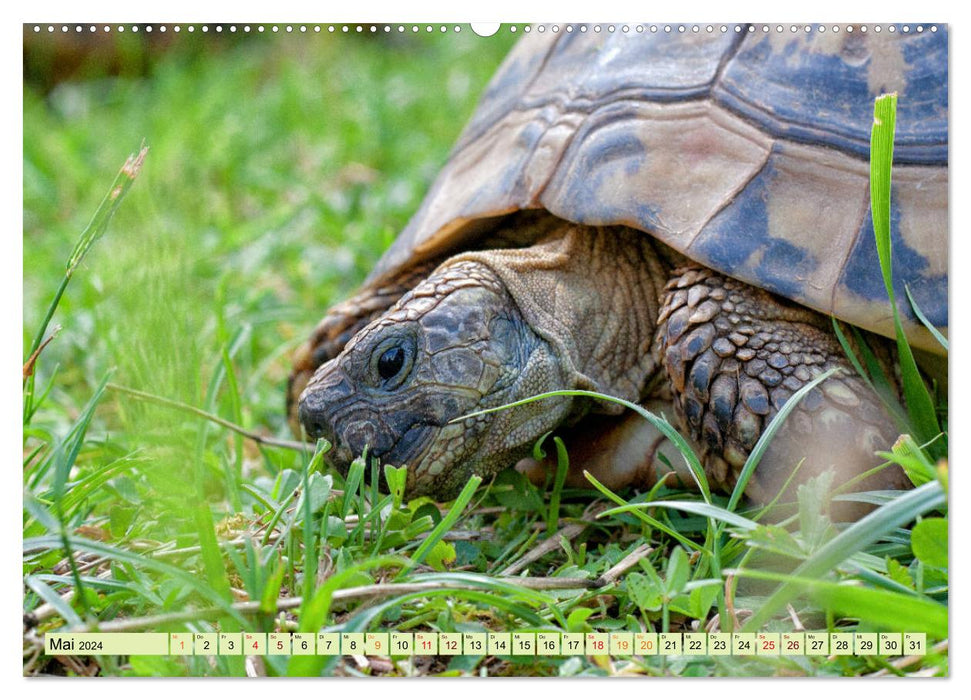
{"points": [[391, 362]]}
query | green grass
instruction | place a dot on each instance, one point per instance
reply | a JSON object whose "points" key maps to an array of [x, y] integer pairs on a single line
{"points": [[278, 170]]}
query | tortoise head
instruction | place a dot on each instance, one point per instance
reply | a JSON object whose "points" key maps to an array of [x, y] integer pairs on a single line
{"points": [[454, 345]]}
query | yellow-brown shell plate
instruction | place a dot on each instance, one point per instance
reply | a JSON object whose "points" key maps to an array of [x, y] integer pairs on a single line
{"points": [[746, 151]]}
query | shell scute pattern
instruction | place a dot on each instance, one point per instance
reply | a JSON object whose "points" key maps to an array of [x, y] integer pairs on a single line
{"points": [[745, 152]]}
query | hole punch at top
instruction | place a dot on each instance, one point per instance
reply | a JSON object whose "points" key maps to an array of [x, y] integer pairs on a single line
{"points": [[485, 28]]}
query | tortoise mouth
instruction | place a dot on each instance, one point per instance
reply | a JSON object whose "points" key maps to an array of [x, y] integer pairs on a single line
{"points": [[332, 408], [364, 436]]}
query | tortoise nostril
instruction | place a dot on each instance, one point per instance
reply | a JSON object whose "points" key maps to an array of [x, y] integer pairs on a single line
{"points": [[313, 423]]}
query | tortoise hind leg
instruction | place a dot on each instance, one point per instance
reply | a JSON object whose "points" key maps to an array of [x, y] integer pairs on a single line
{"points": [[735, 354], [342, 322]]}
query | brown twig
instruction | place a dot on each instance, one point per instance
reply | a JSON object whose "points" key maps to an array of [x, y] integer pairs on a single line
{"points": [[378, 590], [905, 661], [730, 600], [796, 622], [544, 547], [553, 541], [255, 668], [46, 610], [626, 563], [178, 405], [554, 583]]}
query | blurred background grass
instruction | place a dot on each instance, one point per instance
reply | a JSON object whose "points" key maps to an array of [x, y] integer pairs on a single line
{"points": [[280, 167]]}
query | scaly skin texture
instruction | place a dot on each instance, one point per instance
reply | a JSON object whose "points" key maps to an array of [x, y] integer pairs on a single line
{"points": [[485, 329], [735, 354], [342, 323], [344, 320], [598, 309]]}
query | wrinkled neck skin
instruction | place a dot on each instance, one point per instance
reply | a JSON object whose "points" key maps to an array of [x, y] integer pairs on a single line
{"points": [[585, 302], [593, 295], [576, 310]]}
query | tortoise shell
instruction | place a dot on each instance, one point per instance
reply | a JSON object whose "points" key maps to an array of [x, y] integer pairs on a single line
{"points": [[744, 150]]}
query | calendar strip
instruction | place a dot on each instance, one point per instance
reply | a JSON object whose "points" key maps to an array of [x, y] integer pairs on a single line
{"points": [[517, 644]]}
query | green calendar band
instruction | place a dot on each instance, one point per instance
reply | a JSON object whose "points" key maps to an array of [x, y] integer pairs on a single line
{"points": [[544, 643]]}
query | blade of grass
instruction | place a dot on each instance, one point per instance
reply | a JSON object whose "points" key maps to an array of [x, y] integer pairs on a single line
{"points": [[51, 597], [676, 439], [48, 543], [873, 375], [39, 512], [445, 524], [63, 459], [763, 443], [653, 522], [65, 453], [911, 612], [704, 509], [186, 408], [489, 600], [224, 372], [865, 531], [31, 400], [95, 229], [562, 467], [85, 487], [202, 518], [355, 475], [508, 587], [919, 402], [228, 352], [923, 319], [278, 513], [309, 531]]}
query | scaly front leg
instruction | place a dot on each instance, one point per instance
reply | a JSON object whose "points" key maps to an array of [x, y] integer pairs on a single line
{"points": [[735, 354]]}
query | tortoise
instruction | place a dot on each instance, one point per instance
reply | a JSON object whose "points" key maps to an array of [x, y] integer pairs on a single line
{"points": [[667, 218]]}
